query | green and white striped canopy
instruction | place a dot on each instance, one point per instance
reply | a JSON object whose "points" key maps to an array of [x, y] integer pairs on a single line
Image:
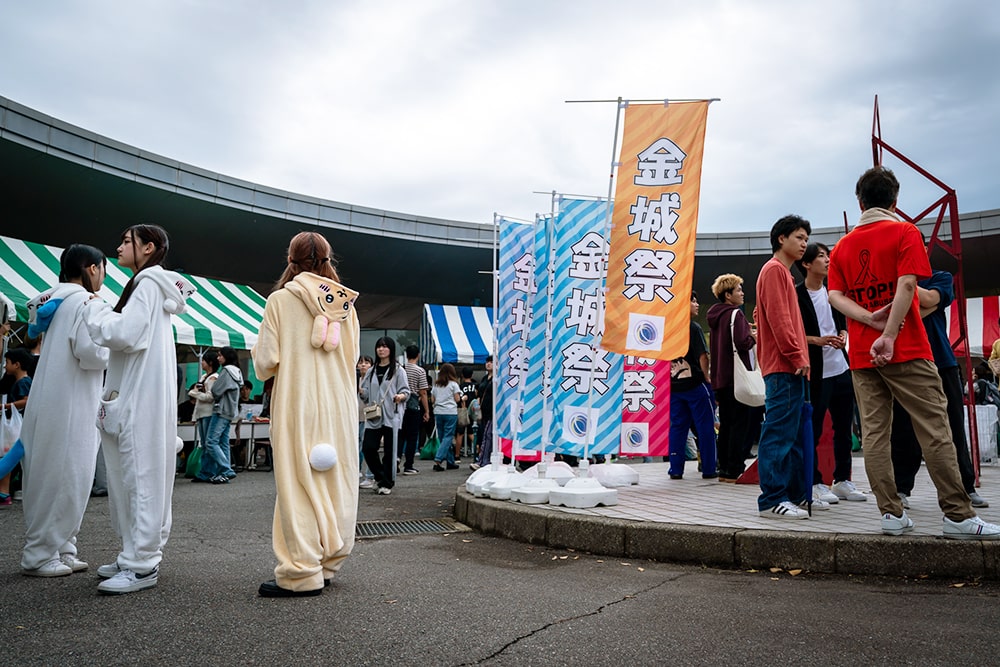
{"points": [[219, 314]]}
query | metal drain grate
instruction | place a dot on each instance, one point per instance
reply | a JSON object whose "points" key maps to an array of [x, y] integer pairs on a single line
{"points": [[414, 527]]}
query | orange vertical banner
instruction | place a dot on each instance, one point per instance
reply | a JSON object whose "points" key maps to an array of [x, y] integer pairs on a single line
{"points": [[655, 220]]}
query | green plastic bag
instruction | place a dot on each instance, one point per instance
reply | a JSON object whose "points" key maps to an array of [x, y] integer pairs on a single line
{"points": [[430, 448], [193, 463]]}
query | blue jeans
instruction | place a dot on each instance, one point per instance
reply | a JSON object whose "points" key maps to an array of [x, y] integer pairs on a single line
{"points": [[446, 431], [203, 425], [214, 459], [779, 453], [692, 409]]}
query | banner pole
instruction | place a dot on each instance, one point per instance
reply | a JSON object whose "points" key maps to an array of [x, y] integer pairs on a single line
{"points": [[494, 438], [547, 367], [664, 100], [585, 462]]}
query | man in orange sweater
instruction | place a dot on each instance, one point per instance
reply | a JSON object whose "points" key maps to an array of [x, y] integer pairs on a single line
{"points": [[783, 356]]}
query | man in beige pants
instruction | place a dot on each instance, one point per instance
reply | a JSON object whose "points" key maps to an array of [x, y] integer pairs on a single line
{"points": [[873, 281]]}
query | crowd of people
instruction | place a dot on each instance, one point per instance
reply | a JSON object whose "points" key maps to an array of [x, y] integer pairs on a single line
{"points": [[401, 407], [862, 338], [110, 372]]}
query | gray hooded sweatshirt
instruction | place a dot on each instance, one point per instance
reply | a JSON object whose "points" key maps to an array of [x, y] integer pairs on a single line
{"points": [[226, 392]]}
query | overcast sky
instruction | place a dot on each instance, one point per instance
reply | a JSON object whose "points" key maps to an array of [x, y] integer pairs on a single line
{"points": [[456, 108]]}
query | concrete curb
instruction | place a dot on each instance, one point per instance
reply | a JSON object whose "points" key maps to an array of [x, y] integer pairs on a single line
{"points": [[739, 548]]}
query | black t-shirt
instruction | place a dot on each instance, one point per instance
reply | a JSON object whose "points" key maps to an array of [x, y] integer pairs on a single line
{"points": [[468, 389], [685, 373], [485, 391]]}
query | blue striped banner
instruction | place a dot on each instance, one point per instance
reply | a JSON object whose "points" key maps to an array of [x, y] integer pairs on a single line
{"points": [[536, 412], [515, 296], [587, 382]]}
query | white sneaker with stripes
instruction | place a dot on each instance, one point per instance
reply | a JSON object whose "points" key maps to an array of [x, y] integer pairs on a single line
{"points": [[784, 510]]}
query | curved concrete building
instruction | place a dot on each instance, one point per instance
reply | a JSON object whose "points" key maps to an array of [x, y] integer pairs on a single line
{"points": [[63, 184]]}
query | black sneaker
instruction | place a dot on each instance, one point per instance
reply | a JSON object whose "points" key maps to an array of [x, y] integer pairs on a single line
{"points": [[453, 466], [410, 471], [438, 468]]}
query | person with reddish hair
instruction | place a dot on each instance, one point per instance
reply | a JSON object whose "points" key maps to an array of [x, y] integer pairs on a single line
{"points": [[309, 343]]}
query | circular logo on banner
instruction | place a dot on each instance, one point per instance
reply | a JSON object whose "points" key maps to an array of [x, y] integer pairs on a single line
{"points": [[578, 424], [634, 437], [646, 332]]}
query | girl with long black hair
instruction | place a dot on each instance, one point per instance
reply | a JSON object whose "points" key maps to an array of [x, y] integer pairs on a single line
{"points": [[138, 412], [384, 386]]}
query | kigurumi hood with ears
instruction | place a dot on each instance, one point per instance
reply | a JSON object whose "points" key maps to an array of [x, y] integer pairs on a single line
{"points": [[43, 306], [176, 290], [329, 302]]}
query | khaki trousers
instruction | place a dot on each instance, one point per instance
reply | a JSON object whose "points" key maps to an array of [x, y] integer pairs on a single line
{"points": [[916, 385]]}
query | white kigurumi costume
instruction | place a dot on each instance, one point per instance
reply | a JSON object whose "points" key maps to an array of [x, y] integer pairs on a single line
{"points": [[140, 425], [59, 435]]}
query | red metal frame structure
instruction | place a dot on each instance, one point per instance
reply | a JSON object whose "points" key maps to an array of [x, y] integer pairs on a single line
{"points": [[947, 204]]}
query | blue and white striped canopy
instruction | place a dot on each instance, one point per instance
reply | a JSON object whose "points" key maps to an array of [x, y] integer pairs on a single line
{"points": [[456, 334]]}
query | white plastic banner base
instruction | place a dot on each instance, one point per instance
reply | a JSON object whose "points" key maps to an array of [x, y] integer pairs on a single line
{"points": [[614, 475], [500, 487], [479, 482], [535, 491], [560, 471], [583, 492]]}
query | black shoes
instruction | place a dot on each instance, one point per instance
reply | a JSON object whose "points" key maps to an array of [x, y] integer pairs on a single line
{"points": [[270, 589]]}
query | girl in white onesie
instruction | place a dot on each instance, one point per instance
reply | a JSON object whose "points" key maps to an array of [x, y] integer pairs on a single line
{"points": [[59, 435], [309, 343], [138, 411]]}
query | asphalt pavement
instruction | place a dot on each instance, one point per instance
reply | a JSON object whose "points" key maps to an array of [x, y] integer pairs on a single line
{"points": [[463, 598]]}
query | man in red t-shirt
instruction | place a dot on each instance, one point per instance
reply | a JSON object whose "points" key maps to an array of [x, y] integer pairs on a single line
{"points": [[784, 362], [873, 281]]}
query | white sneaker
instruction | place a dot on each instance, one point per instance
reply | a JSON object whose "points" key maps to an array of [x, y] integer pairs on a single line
{"points": [[108, 571], [127, 581], [73, 563], [817, 504], [784, 510], [970, 529], [51, 568], [823, 492], [366, 483], [896, 525], [383, 491], [847, 491], [905, 499]]}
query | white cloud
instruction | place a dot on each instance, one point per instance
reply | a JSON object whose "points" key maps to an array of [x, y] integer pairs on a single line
{"points": [[457, 109]]}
